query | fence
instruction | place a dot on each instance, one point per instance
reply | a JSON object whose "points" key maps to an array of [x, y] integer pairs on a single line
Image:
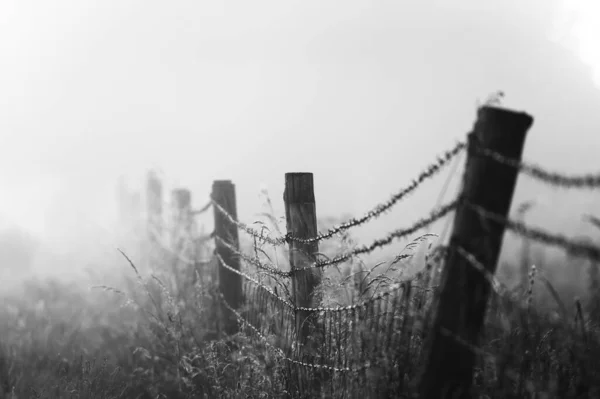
{"points": [[422, 335]]}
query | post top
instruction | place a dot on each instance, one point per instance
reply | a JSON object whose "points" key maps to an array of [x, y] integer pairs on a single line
{"points": [[221, 182], [299, 188], [489, 111]]}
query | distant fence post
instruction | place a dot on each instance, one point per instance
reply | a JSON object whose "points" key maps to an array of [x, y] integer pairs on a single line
{"points": [[448, 366], [301, 221], [230, 283], [182, 215], [128, 208], [123, 206], [154, 202], [135, 205]]}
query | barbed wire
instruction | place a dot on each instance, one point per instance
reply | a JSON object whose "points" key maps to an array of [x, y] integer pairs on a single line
{"points": [[401, 233], [392, 289], [253, 232], [280, 352], [590, 181], [252, 260], [203, 209], [256, 282], [558, 240], [429, 172]]}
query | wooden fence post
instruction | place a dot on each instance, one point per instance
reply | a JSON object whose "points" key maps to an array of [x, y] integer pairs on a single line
{"points": [[123, 206], [137, 213], [448, 366], [301, 221], [230, 283], [181, 232], [154, 201]]}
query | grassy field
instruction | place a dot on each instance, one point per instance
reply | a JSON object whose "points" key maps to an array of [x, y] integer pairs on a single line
{"points": [[153, 334]]}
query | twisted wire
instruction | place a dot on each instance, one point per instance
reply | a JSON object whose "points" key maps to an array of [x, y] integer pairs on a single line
{"points": [[429, 172], [252, 260], [589, 181], [558, 240], [401, 233], [203, 209], [392, 290], [253, 232], [256, 282], [280, 352]]}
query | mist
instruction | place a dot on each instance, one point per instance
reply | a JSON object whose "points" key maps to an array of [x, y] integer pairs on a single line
{"points": [[363, 94]]}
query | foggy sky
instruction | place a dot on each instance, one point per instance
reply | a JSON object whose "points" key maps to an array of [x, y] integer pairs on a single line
{"points": [[362, 93]]}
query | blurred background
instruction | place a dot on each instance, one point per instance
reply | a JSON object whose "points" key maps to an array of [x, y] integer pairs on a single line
{"points": [[362, 93]]}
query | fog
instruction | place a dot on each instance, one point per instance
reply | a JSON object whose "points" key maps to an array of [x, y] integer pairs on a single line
{"points": [[362, 93]]}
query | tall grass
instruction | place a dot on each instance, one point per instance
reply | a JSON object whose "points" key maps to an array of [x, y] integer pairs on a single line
{"points": [[154, 332]]}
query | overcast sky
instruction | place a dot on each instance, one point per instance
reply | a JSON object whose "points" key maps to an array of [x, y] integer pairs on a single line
{"points": [[362, 93]]}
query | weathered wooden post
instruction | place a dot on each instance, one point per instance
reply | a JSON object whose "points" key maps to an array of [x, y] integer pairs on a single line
{"points": [[448, 366], [230, 283], [301, 222]]}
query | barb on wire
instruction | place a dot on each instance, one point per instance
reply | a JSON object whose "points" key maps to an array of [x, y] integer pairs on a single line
{"points": [[253, 260], [429, 172], [556, 179], [258, 284], [260, 235], [401, 233], [558, 240], [280, 352]]}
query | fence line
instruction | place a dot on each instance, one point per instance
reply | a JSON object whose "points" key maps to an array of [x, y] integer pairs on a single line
{"points": [[253, 232], [258, 284], [253, 260], [362, 333], [391, 290], [397, 234], [379, 209], [282, 354]]}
